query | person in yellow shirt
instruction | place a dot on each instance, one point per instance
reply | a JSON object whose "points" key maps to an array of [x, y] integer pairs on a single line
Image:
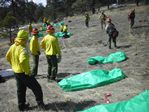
{"points": [[52, 50], [64, 29], [30, 29], [87, 19], [103, 18], [18, 58], [35, 51]]}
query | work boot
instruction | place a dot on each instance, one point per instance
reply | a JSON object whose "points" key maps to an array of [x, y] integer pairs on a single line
{"points": [[41, 106], [24, 107]]}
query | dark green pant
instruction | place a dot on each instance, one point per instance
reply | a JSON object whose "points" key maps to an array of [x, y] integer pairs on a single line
{"points": [[52, 67], [35, 64], [113, 39], [24, 81]]}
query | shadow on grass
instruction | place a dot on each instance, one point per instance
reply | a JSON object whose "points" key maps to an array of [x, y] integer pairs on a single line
{"points": [[69, 106], [143, 26], [124, 46], [60, 76]]}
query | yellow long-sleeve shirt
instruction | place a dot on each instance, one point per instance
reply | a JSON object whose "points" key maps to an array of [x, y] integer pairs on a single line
{"points": [[18, 58], [34, 46], [63, 28], [50, 45]]}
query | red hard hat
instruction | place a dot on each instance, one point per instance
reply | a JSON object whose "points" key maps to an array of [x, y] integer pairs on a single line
{"points": [[35, 31], [50, 29]]}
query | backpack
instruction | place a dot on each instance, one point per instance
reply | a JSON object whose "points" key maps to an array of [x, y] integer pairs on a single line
{"points": [[115, 33]]}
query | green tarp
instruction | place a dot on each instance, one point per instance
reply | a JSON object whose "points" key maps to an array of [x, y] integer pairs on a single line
{"points": [[114, 57], [139, 103], [91, 79], [61, 34]]}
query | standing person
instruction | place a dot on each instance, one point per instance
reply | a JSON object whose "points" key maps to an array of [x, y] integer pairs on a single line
{"points": [[137, 2], [18, 58], [52, 50], [30, 29], [35, 51], [131, 18], [103, 18], [112, 32], [87, 19], [64, 29]]}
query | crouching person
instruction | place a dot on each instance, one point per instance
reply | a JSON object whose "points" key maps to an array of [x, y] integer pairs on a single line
{"points": [[18, 58]]}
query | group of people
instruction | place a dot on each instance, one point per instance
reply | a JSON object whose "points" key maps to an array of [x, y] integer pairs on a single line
{"points": [[106, 23], [18, 57]]}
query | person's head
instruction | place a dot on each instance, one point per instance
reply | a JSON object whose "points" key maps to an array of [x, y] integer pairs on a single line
{"points": [[35, 31], [50, 29], [22, 36], [108, 20]]}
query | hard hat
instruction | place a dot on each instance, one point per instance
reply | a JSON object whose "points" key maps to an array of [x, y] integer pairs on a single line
{"points": [[35, 31], [50, 29], [22, 34]]}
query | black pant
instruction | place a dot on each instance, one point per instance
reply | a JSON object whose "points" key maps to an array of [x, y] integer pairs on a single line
{"points": [[113, 39], [87, 23], [131, 23], [35, 64], [52, 66], [24, 81]]}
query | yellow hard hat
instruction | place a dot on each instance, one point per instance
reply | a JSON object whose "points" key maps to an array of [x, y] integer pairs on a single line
{"points": [[22, 34]]}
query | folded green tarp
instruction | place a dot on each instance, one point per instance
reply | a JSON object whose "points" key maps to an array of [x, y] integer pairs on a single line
{"points": [[139, 103], [114, 57], [91, 79], [61, 34]]}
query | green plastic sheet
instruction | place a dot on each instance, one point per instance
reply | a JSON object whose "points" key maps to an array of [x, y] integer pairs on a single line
{"points": [[61, 34], [114, 57], [91, 79], [139, 103]]}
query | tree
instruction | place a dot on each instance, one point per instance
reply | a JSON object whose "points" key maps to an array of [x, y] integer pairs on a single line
{"points": [[9, 22]]}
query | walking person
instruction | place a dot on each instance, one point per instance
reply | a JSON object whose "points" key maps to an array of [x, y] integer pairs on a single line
{"points": [[35, 51], [52, 50], [103, 18], [112, 32], [131, 18], [18, 58], [87, 19]]}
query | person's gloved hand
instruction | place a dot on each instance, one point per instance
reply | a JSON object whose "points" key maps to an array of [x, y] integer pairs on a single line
{"points": [[59, 57]]}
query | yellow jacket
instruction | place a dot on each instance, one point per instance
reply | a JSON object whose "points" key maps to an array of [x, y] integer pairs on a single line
{"points": [[50, 44], [34, 46], [18, 57], [64, 28]]}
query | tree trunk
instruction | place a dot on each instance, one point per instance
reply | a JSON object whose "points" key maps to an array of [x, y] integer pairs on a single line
{"points": [[10, 36]]}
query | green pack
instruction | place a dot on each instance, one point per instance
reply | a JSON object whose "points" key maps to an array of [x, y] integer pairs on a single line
{"points": [[91, 79], [139, 103], [114, 57]]}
